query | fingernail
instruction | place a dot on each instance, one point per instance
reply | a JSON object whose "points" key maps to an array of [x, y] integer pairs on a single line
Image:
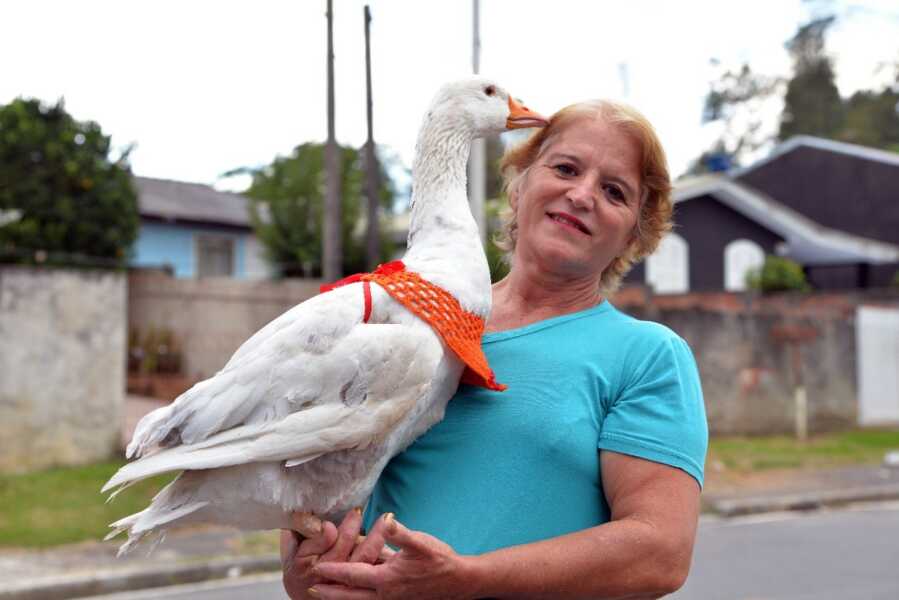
{"points": [[358, 510], [313, 592], [389, 519]]}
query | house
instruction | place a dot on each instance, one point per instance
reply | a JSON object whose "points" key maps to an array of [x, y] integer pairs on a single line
{"points": [[196, 231], [830, 206]]}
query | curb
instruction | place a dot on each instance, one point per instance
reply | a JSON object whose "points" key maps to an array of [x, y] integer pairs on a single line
{"points": [[735, 507], [122, 580]]}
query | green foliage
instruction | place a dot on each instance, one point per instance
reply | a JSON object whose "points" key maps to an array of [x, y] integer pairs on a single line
{"points": [[496, 258], [64, 505], [288, 208], [872, 119], [74, 205], [778, 275], [812, 105], [155, 351]]}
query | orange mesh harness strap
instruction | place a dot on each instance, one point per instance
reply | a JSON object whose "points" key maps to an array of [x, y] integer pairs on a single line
{"points": [[460, 329]]}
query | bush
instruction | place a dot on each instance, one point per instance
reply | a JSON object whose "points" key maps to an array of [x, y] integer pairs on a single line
{"points": [[62, 200], [778, 275]]}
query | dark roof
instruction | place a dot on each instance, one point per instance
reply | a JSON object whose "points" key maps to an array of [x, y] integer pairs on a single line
{"points": [[808, 242], [842, 186], [194, 202]]}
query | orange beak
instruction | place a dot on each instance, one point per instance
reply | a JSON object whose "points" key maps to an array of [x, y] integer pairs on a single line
{"points": [[521, 117]]}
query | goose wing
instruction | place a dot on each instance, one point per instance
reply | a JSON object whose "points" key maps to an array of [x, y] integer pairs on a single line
{"points": [[387, 370], [290, 364]]}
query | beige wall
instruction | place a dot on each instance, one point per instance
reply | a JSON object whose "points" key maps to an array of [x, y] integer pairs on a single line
{"points": [[62, 371], [749, 370], [211, 318]]}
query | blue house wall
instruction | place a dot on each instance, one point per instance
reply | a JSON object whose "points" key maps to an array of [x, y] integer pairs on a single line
{"points": [[167, 244]]}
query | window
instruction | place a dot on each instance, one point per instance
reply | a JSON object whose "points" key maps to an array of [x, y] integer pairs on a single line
{"points": [[740, 257], [215, 256], [667, 269]]}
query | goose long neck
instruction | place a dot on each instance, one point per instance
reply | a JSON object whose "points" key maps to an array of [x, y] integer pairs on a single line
{"points": [[439, 195]]}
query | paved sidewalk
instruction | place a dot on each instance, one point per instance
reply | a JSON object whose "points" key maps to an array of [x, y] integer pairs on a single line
{"points": [[807, 490], [91, 568], [200, 554]]}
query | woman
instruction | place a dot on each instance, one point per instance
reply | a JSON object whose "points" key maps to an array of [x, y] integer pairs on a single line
{"points": [[583, 479]]}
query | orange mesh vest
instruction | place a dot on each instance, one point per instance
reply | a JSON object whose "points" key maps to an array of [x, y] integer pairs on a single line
{"points": [[460, 329]]}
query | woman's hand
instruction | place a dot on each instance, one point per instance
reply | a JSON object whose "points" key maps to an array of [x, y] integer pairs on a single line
{"points": [[424, 568], [333, 544]]}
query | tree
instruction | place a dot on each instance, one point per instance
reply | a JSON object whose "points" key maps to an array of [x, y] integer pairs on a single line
{"points": [[812, 104], [738, 103], [872, 119], [71, 203], [287, 210]]}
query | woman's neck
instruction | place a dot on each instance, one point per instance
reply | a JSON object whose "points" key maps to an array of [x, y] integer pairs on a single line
{"points": [[528, 295]]}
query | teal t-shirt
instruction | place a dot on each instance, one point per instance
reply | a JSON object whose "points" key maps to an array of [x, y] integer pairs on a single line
{"points": [[507, 468]]}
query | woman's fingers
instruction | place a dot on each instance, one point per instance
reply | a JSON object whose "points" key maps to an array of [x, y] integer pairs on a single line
{"points": [[347, 533], [290, 541], [398, 535], [370, 546], [386, 554], [306, 524]]}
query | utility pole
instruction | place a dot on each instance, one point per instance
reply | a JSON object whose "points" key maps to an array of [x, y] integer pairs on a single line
{"points": [[332, 250], [477, 176], [372, 175]]}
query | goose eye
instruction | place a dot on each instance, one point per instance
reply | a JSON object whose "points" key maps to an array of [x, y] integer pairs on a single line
{"points": [[490, 90]]}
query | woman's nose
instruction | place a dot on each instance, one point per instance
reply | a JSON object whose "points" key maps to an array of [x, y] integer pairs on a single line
{"points": [[582, 196]]}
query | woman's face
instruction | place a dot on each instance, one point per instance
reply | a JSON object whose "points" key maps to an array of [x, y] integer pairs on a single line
{"points": [[577, 205]]}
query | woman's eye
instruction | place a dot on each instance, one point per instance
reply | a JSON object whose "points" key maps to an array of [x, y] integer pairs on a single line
{"points": [[614, 192], [564, 169]]}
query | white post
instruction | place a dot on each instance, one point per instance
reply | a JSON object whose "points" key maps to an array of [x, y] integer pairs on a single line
{"points": [[477, 176], [801, 401]]}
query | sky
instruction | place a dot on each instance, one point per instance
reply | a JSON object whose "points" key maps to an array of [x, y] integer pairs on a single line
{"points": [[201, 87]]}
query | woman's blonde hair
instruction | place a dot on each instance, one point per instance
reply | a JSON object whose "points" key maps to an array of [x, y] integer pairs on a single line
{"points": [[654, 219]]}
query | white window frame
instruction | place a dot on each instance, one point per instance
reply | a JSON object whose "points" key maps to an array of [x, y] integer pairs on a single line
{"points": [[740, 257], [198, 239]]}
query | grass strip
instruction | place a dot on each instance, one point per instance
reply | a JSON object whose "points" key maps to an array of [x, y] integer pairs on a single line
{"points": [[64, 505], [751, 454]]}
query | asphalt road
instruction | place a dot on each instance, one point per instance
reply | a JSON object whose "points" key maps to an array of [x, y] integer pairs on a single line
{"points": [[847, 554]]}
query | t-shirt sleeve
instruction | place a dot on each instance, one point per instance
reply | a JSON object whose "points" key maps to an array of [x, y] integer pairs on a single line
{"points": [[659, 413]]}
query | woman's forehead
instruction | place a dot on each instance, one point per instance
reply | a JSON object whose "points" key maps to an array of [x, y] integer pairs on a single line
{"points": [[589, 138]]}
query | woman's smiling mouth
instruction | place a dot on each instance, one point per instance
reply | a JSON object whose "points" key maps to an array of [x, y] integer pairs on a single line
{"points": [[568, 221]]}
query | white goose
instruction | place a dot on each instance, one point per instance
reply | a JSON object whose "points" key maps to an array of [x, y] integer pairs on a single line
{"points": [[309, 410]]}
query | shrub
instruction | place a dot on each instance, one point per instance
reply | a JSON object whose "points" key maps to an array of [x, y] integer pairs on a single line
{"points": [[778, 275]]}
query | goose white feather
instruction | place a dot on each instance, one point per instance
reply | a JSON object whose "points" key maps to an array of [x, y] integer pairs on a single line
{"points": [[308, 411]]}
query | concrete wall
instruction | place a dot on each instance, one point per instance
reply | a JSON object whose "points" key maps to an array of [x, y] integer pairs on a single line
{"points": [[749, 368], [62, 371], [210, 317]]}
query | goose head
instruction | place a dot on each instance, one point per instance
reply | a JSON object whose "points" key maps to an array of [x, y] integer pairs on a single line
{"points": [[481, 107]]}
